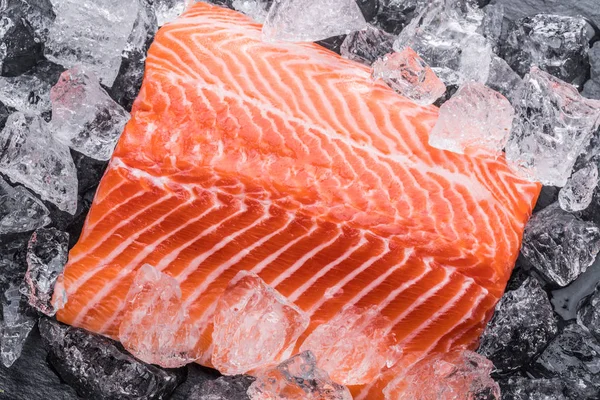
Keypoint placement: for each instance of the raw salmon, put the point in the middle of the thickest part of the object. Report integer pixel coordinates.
(287, 160)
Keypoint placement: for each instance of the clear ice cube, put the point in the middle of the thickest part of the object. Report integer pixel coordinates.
(84, 116)
(445, 34)
(574, 357)
(91, 33)
(155, 326)
(25, 93)
(455, 375)
(298, 378)
(224, 387)
(354, 345)
(409, 75)
(367, 45)
(310, 21)
(254, 325)
(168, 10)
(560, 245)
(98, 369)
(47, 255)
(30, 155)
(16, 326)
(20, 211)
(588, 315)
(553, 125)
(522, 325)
(476, 118)
(556, 44)
(255, 9)
(577, 194)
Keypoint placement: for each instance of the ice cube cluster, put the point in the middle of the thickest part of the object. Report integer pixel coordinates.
(69, 73)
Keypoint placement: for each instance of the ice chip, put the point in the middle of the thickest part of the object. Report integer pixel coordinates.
(15, 326)
(255, 9)
(254, 325)
(553, 125)
(25, 93)
(84, 116)
(367, 45)
(491, 26)
(522, 325)
(91, 33)
(47, 254)
(354, 345)
(167, 10)
(20, 211)
(129, 80)
(155, 326)
(224, 387)
(455, 375)
(309, 21)
(574, 355)
(475, 118)
(409, 75)
(588, 315)
(298, 378)
(30, 155)
(556, 44)
(577, 194)
(519, 388)
(98, 369)
(560, 245)
(592, 87)
(502, 78)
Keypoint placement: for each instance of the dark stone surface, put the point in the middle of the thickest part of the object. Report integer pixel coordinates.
(98, 369)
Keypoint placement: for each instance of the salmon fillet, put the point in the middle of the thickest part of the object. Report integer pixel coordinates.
(287, 160)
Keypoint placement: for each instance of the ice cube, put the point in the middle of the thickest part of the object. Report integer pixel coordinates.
(254, 325)
(553, 125)
(560, 245)
(445, 35)
(31, 156)
(393, 15)
(97, 369)
(47, 254)
(491, 26)
(566, 301)
(20, 211)
(16, 326)
(167, 10)
(556, 44)
(367, 45)
(225, 387)
(129, 80)
(577, 194)
(522, 325)
(574, 355)
(30, 91)
(409, 75)
(91, 33)
(502, 78)
(354, 345)
(20, 42)
(592, 87)
(155, 326)
(297, 379)
(476, 118)
(456, 375)
(519, 388)
(84, 116)
(255, 9)
(588, 315)
(309, 21)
